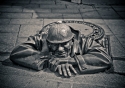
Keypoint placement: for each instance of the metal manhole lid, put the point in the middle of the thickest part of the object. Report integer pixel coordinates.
(86, 28)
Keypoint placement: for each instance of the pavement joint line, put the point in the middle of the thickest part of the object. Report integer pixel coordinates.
(80, 13)
(115, 36)
(116, 11)
(17, 35)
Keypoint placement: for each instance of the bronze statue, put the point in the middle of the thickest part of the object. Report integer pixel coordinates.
(61, 49)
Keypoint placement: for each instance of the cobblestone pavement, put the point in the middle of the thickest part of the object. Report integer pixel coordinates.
(22, 18)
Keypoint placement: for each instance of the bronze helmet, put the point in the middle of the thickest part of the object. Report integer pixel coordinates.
(59, 33)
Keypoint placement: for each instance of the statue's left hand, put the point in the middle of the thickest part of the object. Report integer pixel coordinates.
(63, 65)
(65, 70)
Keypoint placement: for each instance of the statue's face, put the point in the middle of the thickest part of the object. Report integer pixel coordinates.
(61, 49)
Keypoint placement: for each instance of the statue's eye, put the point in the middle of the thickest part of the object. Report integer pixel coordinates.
(66, 44)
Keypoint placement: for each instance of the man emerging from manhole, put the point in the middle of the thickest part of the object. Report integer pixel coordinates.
(62, 50)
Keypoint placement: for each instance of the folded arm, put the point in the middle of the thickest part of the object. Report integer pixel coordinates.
(29, 53)
(94, 58)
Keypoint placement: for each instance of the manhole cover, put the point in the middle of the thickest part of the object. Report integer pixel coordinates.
(86, 28)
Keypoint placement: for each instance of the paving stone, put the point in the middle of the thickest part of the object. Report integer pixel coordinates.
(119, 66)
(114, 21)
(6, 9)
(119, 8)
(6, 48)
(8, 38)
(48, 2)
(64, 3)
(102, 2)
(28, 30)
(9, 28)
(17, 1)
(87, 86)
(16, 15)
(21, 40)
(53, 6)
(24, 5)
(47, 21)
(37, 10)
(121, 38)
(122, 14)
(107, 13)
(64, 85)
(95, 21)
(90, 14)
(72, 16)
(13, 81)
(102, 5)
(49, 16)
(71, 11)
(4, 21)
(81, 6)
(5, 5)
(117, 29)
(26, 21)
(117, 49)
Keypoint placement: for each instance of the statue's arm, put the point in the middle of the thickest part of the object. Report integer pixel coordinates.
(94, 58)
(28, 54)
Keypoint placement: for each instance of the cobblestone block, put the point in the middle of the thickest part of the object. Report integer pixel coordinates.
(117, 49)
(107, 13)
(37, 83)
(13, 81)
(117, 29)
(21, 40)
(17, 1)
(71, 11)
(87, 86)
(37, 10)
(114, 22)
(102, 5)
(49, 16)
(28, 30)
(64, 85)
(9, 28)
(5, 5)
(119, 8)
(8, 38)
(53, 6)
(72, 16)
(26, 21)
(80, 6)
(58, 2)
(121, 38)
(119, 66)
(4, 21)
(6, 9)
(47, 21)
(6, 47)
(48, 2)
(16, 15)
(24, 5)
(122, 14)
(90, 14)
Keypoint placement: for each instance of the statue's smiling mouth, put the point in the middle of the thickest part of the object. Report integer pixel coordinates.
(61, 54)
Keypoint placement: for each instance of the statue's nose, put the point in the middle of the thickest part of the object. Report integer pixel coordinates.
(61, 48)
